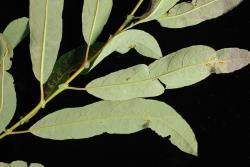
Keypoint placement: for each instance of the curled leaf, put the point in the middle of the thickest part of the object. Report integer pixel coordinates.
(126, 84)
(118, 117)
(191, 13)
(157, 9)
(140, 40)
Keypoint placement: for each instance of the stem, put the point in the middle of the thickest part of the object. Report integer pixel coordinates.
(65, 86)
(130, 17)
(87, 54)
(22, 121)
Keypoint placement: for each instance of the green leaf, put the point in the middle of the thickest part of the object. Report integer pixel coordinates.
(63, 68)
(36, 165)
(140, 40)
(7, 88)
(188, 14)
(94, 17)
(118, 117)
(16, 31)
(67, 64)
(126, 84)
(45, 35)
(184, 67)
(19, 164)
(231, 59)
(157, 9)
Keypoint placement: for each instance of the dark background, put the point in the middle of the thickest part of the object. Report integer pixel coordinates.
(217, 108)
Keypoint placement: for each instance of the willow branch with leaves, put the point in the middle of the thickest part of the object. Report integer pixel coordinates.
(118, 90)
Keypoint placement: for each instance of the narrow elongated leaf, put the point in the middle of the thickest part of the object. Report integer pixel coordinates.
(7, 89)
(140, 40)
(126, 84)
(118, 117)
(184, 67)
(157, 9)
(16, 31)
(45, 35)
(66, 65)
(231, 59)
(188, 14)
(19, 164)
(94, 17)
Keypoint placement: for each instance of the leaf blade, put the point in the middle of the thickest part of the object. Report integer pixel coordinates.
(67, 64)
(19, 163)
(16, 31)
(7, 88)
(157, 9)
(231, 59)
(188, 14)
(141, 41)
(45, 35)
(184, 67)
(112, 117)
(94, 17)
(126, 84)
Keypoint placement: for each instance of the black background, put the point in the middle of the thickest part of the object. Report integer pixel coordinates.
(217, 108)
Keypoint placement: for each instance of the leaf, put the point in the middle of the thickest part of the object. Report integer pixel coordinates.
(7, 88)
(16, 31)
(188, 14)
(126, 84)
(94, 17)
(118, 117)
(36, 165)
(157, 9)
(140, 40)
(184, 67)
(45, 35)
(67, 64)
(231, 59)
(19, 164)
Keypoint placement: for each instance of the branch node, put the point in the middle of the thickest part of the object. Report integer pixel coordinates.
(63, 86)
(43, 104)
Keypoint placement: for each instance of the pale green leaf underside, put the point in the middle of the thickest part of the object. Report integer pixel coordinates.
(126, 84)
(184, 67)
(188, 14)
(141, 41)
(7, 89)
(19, 164)
(94, 17)
(118, 117)
(231, 59)
(193, 64)
(16, 31)
(45, 35)
(157, 9)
